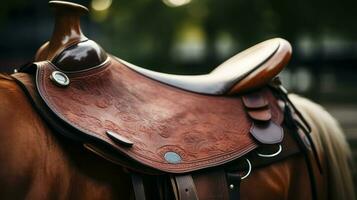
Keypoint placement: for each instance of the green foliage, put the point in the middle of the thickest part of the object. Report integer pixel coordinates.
(147, 30)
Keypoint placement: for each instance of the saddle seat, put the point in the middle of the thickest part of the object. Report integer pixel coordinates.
(247, 70)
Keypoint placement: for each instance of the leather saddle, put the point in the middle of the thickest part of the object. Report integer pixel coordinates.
(155, 123)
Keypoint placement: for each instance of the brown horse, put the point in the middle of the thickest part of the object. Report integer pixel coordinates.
(38, 164)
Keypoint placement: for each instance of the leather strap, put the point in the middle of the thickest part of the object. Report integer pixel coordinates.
(138, 186)
(263, 129)
(184, 188)
(301, 133)
(233, 180)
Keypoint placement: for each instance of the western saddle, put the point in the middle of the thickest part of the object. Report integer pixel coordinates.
(180, 133)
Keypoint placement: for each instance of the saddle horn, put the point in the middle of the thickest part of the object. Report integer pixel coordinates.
(68, 39)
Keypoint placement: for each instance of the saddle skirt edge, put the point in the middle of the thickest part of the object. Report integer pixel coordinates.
(50, 94)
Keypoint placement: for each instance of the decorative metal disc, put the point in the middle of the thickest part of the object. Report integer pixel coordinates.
(59, 78)
(172, 157)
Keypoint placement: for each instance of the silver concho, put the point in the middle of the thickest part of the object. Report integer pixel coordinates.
(59, 78)
(172, 157)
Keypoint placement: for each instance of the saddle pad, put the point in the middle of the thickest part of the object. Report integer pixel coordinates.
(160, 126)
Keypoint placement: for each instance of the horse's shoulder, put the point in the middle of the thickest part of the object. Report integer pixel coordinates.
(8, 85)
(6, 77)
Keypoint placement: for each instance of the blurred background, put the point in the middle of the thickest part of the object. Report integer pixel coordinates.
(194, 36)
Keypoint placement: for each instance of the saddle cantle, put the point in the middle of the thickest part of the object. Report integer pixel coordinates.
(252, 68)
(155, 123)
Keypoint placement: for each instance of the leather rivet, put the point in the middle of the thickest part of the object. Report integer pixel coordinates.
(59, 78)
(172, 157)
(231, 186)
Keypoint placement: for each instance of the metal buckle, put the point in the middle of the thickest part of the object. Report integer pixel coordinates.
(249, 170)
(271, 155)
(59, 78)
